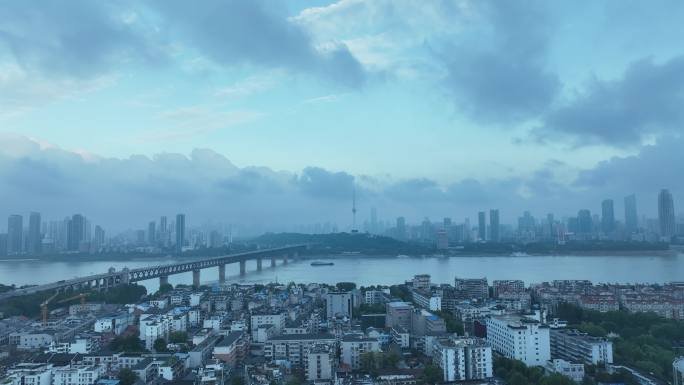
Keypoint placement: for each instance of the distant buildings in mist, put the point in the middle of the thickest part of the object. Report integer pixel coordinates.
(584, 226)
(33, 235)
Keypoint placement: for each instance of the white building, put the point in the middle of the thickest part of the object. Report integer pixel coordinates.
(520, 338)
(678, 371)
(77, 374)
(320, 363)
(30, 341)
(401, 337)
(427, 300)
(574, 371)
(115, 323)
(277, 320)
(153, 327)
(29, 374)
(581, 348)
(354, 346)
(463, 359)
(421, 281)
(295, 347)
(374, 297)
(339, 304)
(82, 345)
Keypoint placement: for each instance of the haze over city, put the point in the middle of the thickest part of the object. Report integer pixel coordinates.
(132, 110)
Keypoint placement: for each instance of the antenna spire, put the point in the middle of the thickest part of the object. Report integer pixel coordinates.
(354, 230)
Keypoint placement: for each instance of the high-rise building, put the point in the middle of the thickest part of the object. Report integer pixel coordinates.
(151, 233)
(374, 221)
(584, 222)
(15, 234)
(75, 232)
(401, 228)
(180, 232)
(494, 226)
(98, 239)
(162, 224)
(607, 216)
(631, 218)
(481, 226)
(34, 235)
(666, 214)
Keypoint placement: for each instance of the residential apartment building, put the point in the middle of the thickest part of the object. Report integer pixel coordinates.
(581, 348)
(354, 346)
(295, 347)
(278, 320)
(398, 314)
(519, 338)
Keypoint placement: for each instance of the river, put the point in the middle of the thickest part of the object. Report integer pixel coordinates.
(381, 270)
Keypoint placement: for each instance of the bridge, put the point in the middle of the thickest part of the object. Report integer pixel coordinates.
(124, 276)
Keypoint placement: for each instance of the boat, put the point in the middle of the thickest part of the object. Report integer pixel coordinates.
(319, 263)
(519, 254)
(402, 256)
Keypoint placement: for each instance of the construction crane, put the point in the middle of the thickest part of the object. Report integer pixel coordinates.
(44, 308)
(81, 296)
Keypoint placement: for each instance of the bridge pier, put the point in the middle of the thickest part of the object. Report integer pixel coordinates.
(273, 262)
(222, 273)
(243, 267)
(163, 280)
(196, 278)
(259, 264)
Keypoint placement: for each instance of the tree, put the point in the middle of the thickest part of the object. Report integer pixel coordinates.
(160, 345)
(432, 374)
(127, 376)
(346, 286)
(165, 288)
(178, 337)
(131, 344)
(237, 381)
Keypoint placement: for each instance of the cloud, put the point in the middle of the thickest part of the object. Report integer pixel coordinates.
(256, 33)
(646, 102)
(123, 193)
(320, 183)
(73, 38)
(497, 73)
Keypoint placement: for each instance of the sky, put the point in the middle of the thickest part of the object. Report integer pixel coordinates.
(265, 112)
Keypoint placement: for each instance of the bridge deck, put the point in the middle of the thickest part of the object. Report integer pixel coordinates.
(145, 273)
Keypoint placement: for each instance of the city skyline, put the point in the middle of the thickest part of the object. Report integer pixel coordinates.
(75, 233)
(418, 105)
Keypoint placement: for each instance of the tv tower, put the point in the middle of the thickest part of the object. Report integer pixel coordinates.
(354, 230)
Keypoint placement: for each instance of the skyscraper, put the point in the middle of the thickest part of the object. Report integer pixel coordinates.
(607, 216)
(584, 222)
(401, 228)
(98, 239)
(631, 218)
(481, 226)
(162, 224)
(374, 221)
(494, 225)
(34, 235)
(180, 232)
(15, 234)
(666, 214)
(75, 232)
(151, 233)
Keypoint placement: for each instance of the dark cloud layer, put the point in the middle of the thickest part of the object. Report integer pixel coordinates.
(124, 193)
(647, 100)
(72, 37)
(499, 75)
(84, 38)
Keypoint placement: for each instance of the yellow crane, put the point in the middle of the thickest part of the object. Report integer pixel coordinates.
(81, 296)
(44, 308)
